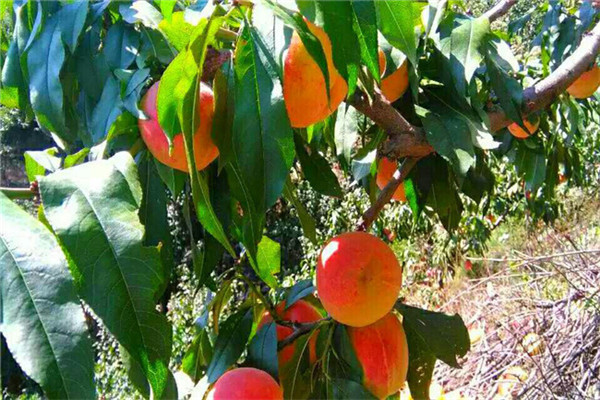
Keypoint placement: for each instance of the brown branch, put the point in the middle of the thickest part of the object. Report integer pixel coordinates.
(548, 89)
(499, 9)
(386, 194)
(300, 328)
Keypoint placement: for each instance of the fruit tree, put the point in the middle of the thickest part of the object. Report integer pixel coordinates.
(228, 105)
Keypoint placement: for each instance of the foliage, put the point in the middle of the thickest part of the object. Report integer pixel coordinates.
(81, 68)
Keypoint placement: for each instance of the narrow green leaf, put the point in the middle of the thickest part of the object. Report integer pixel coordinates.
(507, 88)
(230, 343)
(346, 389)
(262, 137)
(177, 30)
(346, 131)
(262, 351)
(396, 23)
(364, 24)
(77, 158)
(42, 319)
(308, 223)
(44, 62)
(337, 20)
(108, 109)
(317, 170)
(198, 356)
(71, 22)
(115, 274)
(300, 290)
(141, 11)
(174, 179)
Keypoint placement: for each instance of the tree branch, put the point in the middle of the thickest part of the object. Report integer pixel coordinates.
(386, 194)
(548, 89)
(301, 328)
(499, 9)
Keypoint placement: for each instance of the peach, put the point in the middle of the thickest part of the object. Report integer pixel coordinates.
(586, 85)
(395, 84)
(205, 151)
(304, 89)
(385, 171)
(358, 278)
(520, 133)
(300, 311)
(246, 384)
(382, 351)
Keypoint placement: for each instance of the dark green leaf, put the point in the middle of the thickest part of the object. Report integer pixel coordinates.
(364, 23)
(116, 275)
(230, 343)
(531, 164)
(91, 65)
(350, 390)
(346, 130)
(466, 51)
(44, 63)
(153, 215)
(121, 45)
(396, 23)
(42, 319)
(300, 290)
(450, 137)
(262, 137)
(507, 88)
(337, 19)
(479, 180)
(295, 376)
(317, 171)
(198, 356)
(71, 22)
(262, 352)
(107, 110)
(347, 365)
(174, 179)
(308, 223)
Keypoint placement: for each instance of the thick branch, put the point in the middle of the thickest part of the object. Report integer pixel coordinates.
(386, 194)
(499, 9)
(547, 90)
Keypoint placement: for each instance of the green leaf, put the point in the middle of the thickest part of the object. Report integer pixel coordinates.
(346, 130)
(336, 19)
(42, 319)
(174, 179)
(177, 30)
(262, 351)
(300, 290)
(121, 45)
(153, 215)
(317, 170)
(115, 274)
(44, 62)
(350, 390)
(37, 163)
(364, 24)
(207, 259)
(166, 8)
(466, 50)
(108, 109)
(77, 158)
(396, 22)
(230, 343)
(91, 64)
(431, 335)
(189, 121)
(480, 179)
(295, 375)
(450, 137)
(507, 89)
(347, 365)
(262, 137)
(308, 223)
(310, 41)
(268, 261)
(71, 22)
(198, 356)
(531, 164)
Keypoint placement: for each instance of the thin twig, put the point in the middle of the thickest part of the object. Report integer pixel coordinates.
(386, 194)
